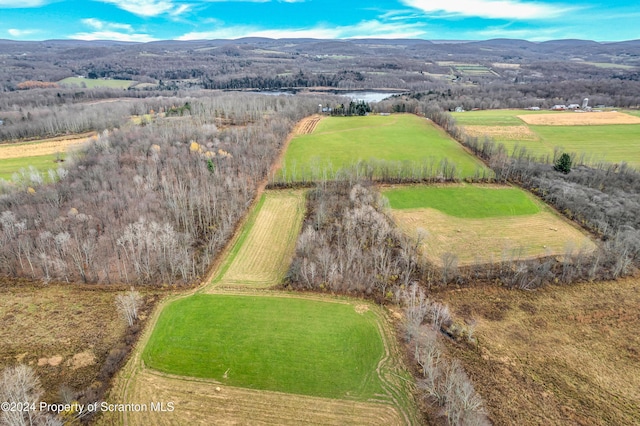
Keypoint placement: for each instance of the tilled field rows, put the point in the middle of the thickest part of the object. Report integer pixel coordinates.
(308, 125)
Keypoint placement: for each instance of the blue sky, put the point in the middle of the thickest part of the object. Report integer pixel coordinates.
(148, 20)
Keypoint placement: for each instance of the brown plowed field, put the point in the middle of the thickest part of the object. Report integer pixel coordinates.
(489, 239)
(579, 119)
(308, 125)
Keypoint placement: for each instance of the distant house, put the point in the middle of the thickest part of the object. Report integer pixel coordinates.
(573, 106)
(459, 109)
(559, 108)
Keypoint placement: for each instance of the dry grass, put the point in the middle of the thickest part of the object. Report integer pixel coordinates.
(516, 133)
(64, 332)
(489, 239)
(556, 356)
(579, 119)
(43, 147)
(265, 253)
(208, 402)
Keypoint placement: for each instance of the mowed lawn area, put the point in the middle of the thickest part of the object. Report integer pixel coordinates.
(338, 142)
(281, 344)
(482, 223)
(610, 142)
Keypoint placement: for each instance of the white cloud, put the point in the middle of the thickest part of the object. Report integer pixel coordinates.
(104, 30)
(22, 3)
(97, 24)
(14, 32)
(364, 29)
(148, 7)
(113, 35)
(492, 9)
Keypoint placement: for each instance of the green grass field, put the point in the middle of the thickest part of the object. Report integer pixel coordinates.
(467, 201)
(614, 143)
(13, 165)
(341, 141)
(273, 343)
(611, 143)
(90, 83)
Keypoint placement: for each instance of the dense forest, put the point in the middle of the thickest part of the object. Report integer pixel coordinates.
(149, 204)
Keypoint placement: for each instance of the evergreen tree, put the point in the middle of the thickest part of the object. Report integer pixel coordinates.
(563, 163)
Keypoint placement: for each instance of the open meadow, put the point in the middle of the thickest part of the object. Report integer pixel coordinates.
(599, 136)
(557, 355)
(338, 142)
(482, 223)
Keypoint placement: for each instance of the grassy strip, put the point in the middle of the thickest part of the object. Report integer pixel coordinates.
(282, 344)
(13, 165)
(265, 255)
(464, 201)
(246, 229)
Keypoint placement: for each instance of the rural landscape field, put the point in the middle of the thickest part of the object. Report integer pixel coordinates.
(598, 136)
(292, 213)
(483, 224)
(338, 143)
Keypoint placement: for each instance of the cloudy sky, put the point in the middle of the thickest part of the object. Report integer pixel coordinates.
(148, 20)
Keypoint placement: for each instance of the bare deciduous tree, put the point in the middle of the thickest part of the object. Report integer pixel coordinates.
(20, 385)
(128, 305)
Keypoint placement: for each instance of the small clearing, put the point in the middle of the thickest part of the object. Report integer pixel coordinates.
(263, 251)
(560, 355)
(579, 119)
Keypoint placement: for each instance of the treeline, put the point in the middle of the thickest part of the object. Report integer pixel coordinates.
(427, 170)
(349, 245)
(43, 122)
(149, 204)
(300, 79)
(543, 93)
